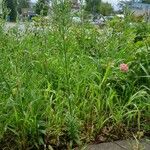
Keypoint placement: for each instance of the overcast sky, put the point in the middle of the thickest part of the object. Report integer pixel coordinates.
(113, 2)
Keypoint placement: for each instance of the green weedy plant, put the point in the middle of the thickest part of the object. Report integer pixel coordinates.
(61, 84)
(61, 22)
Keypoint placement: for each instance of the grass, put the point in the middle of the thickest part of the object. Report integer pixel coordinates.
(61, 86)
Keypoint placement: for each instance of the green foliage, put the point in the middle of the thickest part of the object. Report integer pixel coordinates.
(93, 6)
(12, 7)
(42, 7)
(106, 9)
(22, 4)
(1, 8)
(61, 85)
(97, 7)
(146, 1)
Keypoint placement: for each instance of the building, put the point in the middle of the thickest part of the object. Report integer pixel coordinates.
(141, 8)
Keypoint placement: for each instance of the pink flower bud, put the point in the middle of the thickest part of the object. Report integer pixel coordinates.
(124, 67)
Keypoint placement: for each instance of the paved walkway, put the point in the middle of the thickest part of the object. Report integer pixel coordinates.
(122, 145)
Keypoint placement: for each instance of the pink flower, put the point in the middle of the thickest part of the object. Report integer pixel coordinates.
(124, 67)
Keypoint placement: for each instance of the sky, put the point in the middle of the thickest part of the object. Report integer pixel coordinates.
(113, 2)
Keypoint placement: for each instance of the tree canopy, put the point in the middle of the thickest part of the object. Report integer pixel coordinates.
(106, 9)
(41, 7)
(12, 7)
(98, 7)
(22, 4)
(146, 1)
(93, 6)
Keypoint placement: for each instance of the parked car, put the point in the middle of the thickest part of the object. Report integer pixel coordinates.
(31, 15)
(100, 21)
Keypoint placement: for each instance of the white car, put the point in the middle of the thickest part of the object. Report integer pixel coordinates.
(76, 19)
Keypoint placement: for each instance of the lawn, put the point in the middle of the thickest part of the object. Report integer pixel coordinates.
(64, 84)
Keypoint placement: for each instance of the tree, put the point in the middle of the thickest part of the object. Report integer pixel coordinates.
(146, 1)
(106, 9)
(12, 7)
(22, 4)
(93, 6)
(42, 7)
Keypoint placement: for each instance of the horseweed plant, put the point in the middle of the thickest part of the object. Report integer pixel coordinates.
(64, 84)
